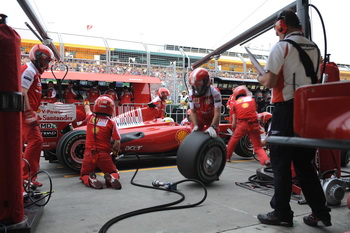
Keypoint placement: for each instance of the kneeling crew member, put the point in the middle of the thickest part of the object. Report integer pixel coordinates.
(99, 132)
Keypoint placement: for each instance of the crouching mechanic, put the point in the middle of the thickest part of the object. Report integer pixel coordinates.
(99, 132)
(40, 58)
(245, 121)
(205, 102)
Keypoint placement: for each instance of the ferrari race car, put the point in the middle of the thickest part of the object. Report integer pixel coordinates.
(142, 133)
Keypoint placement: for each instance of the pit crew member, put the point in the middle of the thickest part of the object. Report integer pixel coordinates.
(69, 94)
(51, 93)
(112, 93)
(93, 93)
(40, 57)
(126, 96)
(100, 131)
(245, 122)
(205, 102)
(160, 101)
(285, 73)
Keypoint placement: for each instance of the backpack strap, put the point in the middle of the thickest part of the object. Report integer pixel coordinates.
(306, 60)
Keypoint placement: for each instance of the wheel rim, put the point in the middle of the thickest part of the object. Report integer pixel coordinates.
(212, 161)
(247, 145)
(77, 151)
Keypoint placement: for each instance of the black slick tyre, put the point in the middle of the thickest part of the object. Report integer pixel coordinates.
(70, 149)
(201, 157)
(244, 147)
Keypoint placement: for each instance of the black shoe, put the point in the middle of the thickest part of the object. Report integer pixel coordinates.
(312, 220)
(272, 219)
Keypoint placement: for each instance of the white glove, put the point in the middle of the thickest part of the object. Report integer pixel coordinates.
(211, 131)
(195, 128)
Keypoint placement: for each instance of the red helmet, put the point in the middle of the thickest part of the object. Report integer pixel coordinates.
(200, 81)
(163, 93)
(104, 105)
(240, 91)
(41, 56)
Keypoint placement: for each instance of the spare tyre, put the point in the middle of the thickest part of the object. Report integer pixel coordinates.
(201, 157)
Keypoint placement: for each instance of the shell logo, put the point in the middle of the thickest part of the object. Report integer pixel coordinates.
(180, 135)
(245, 105)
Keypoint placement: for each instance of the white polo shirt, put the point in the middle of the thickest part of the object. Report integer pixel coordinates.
(285, 62)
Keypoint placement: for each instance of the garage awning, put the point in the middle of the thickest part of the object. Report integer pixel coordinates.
(101, 77)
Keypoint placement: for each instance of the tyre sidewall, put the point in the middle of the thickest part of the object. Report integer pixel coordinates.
(67, 145)
(202, 175)
(244, 147)
(191, 153)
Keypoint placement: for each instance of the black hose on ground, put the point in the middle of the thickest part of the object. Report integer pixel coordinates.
(167, 206)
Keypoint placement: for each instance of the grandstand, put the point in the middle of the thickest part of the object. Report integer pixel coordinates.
(167, 62)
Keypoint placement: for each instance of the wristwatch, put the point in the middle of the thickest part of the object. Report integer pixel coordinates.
(214, 126)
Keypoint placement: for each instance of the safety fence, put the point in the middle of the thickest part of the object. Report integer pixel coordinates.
(85, 53)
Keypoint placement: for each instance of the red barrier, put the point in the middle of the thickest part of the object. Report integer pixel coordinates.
(11, 197)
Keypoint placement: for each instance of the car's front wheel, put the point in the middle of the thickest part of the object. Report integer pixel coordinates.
(70, 149)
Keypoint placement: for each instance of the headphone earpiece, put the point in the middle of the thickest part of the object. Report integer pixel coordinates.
(281, 26)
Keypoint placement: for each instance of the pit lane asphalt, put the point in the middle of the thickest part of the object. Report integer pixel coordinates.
(228, 207)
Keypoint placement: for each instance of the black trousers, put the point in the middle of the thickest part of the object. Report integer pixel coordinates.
(281, 160)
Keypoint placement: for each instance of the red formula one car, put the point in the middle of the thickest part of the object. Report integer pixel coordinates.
(141, 133)
(200, 157)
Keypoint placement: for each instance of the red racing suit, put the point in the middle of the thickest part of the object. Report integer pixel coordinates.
(69, 95)
(99, 132)
(126, 97)
(228, 105)
(112, 93)
(92, 94)
(205, 106)
(160, 104)
(31, 133)
(51, 95)
(246, 123)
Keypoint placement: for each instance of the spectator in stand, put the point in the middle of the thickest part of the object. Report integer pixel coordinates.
(160, 101)
(126, 97)
(40, 57)
(51, 93)
(69, 94)
(111, 92)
